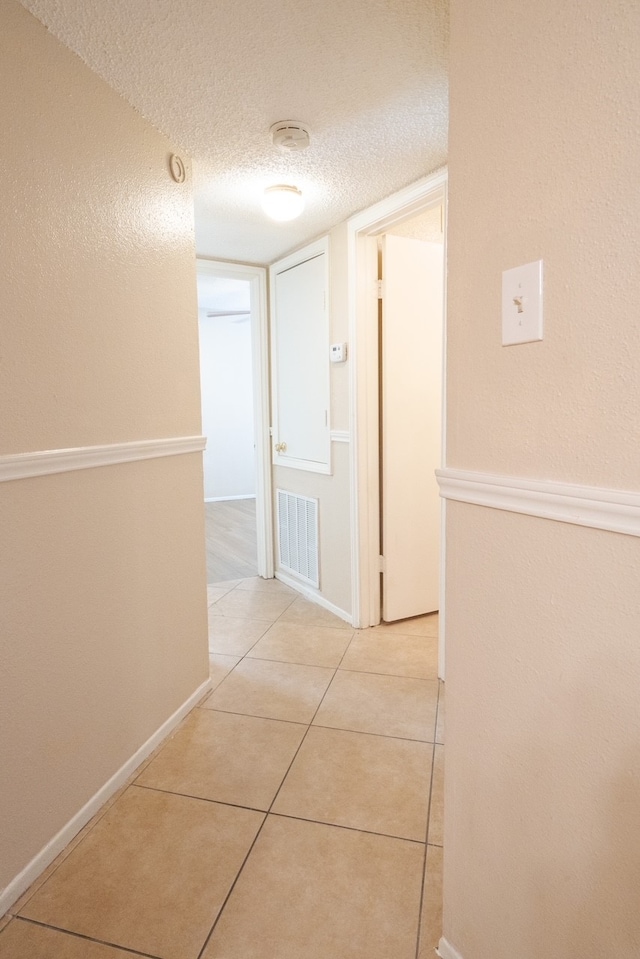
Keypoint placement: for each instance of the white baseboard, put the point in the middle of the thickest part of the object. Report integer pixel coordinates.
(55, 846)
(446, 951)
(310, 593)
(228, 499)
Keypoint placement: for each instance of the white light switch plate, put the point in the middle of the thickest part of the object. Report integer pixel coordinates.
(522, 304)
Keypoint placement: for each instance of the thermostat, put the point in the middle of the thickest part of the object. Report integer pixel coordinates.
(338, 352)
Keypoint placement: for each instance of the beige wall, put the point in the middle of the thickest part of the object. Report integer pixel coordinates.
(331, 491)
(102, 609)
(544, 160)
(543, 659)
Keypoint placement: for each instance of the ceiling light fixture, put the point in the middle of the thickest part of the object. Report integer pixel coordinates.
(282, 202)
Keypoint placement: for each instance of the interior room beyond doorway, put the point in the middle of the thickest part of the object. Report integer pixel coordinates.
(224, 315)
(230, 540)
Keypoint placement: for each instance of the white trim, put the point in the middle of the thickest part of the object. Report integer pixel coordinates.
(309, 466)
(228, 499)
(446, 951)
(442, 613)
(301, 255)
(48, 853)
(320, 247)
(617, 511)
(257, 277)
(340, 436)
(15, 466)
(313, 595)
(442, 621)
(363, 389)
(408, 202)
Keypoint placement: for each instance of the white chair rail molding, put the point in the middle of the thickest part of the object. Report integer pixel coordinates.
(617, 511)
(15, 466)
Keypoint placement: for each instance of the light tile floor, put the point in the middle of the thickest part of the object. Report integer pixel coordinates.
(296, 813)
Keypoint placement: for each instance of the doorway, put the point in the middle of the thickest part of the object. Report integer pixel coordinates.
(234, 378)
(410, 257)
(405, 211)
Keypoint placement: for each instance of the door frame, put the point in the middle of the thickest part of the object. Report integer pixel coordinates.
(362, 231)
(257, 277)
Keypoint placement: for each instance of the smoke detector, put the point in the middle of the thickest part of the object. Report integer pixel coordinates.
(289, 135)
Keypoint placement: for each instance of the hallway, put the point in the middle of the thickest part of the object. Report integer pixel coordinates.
(295, 814)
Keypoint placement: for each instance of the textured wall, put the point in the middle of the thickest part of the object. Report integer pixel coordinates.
(543, 667)
(102, 609)
(96, 225)
(545, 111)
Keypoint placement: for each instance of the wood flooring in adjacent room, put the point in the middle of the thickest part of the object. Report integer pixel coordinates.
(230, 531)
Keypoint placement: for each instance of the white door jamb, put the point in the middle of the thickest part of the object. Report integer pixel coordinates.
(257, 277)
(363, 413)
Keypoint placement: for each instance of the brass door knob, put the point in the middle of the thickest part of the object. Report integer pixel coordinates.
(281, 447)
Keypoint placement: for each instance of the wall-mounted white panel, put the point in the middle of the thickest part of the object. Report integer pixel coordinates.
(300, 361)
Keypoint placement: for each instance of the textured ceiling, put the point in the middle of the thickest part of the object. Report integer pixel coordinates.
(426, 226)
(369, 78)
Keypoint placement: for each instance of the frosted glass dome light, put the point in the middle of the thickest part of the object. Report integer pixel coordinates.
(282, 202)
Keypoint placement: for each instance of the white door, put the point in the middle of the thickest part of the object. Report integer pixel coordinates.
(411, 424)
(300, 362)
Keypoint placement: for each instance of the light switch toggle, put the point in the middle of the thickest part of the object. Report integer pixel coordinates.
(522, 304)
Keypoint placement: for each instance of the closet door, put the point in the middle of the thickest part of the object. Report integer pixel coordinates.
(300, 361)
(411, 425)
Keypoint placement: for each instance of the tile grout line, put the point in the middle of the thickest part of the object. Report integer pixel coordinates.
(266, 816)
(338, 825)
(426, 838)
(207, 799)
(232, 887)
(345, 669)
(281, 815)
(232, 712)
(424, 864)
(340, 729)
(70, 848)
(373, 672)
(310, 724)
(267, 627)
(80, 935)
(365, 732)
(270, 810)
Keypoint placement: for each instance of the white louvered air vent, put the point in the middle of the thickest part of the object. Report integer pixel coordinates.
(298, 536)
